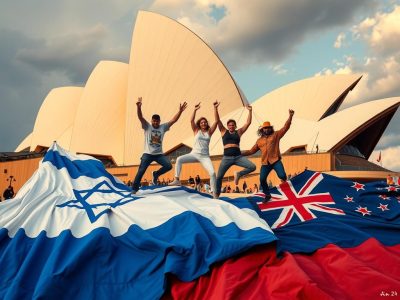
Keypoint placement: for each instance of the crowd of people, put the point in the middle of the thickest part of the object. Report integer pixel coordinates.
(267, 143)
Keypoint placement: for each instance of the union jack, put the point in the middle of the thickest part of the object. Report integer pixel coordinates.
(301, 203)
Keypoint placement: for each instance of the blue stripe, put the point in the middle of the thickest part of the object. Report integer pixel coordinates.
(90, 168)
(132, 266)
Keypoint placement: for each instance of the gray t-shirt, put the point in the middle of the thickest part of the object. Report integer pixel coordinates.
(153, 138)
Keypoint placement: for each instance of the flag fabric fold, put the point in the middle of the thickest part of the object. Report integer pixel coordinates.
(337, 239)
(75, 231)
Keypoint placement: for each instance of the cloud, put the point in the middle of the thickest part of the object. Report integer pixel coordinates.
(280, 26)
(47, 44)
(339, 40)
(390, 158)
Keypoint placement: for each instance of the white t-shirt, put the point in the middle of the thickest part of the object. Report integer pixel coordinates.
(153, 138)
(201, 143)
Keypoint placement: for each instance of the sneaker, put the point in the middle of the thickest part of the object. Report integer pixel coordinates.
(133, 192)
(176, 182)
(236, 177)
(215, 196)
(155, 178)
(267, 197)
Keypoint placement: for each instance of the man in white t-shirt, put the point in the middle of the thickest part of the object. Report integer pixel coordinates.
(153, 137)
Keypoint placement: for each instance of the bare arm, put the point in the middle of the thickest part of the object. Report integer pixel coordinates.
(182, 107)
(245, 126)
(253, 150)
(139, 112)
(214, 125)
(192, 123)
(286, 127)
(217, 119)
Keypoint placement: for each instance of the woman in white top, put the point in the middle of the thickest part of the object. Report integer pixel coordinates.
(200, 152)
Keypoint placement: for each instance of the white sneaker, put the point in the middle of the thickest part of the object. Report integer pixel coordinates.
(176, 182)
(236, 177)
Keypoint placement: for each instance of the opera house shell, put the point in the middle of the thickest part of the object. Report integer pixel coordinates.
(170, 64)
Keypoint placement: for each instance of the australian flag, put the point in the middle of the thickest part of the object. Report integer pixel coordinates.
(75, 232)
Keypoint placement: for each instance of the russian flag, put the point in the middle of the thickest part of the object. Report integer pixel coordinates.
(75, 232)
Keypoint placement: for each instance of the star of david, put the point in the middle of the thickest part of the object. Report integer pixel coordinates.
(99, 200)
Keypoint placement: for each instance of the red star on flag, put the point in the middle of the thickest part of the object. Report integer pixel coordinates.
(363, 210)
(358, 186)
(348, 199)
(392, 188)
(384, 197)
(383, 206)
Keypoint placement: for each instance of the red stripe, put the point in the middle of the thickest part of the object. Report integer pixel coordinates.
(308, 183)
(369, 271)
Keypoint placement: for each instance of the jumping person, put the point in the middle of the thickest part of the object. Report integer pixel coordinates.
(200, 152)
(232, 155)
(153, 137)
(268, 143)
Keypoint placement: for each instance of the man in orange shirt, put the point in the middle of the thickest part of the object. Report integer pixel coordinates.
(268, 143)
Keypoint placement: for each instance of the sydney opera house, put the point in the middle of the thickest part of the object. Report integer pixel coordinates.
(170, 64)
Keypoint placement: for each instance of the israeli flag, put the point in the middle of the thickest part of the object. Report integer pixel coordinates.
(75, 232)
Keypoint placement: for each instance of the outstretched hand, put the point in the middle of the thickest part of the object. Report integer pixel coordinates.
(291, 112)
(197, 106)
(249, 107)
(182, 106)
(216, 104)
(139, 102)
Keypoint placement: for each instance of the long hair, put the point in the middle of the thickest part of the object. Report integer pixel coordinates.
(198, 123)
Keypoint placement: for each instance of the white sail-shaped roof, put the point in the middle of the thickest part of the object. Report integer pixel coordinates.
(99, 123)
(170, 64)
(55, 117)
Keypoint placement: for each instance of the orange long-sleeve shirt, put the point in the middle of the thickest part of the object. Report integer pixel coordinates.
(269, 145)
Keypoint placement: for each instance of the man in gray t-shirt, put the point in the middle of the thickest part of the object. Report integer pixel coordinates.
(153, 137)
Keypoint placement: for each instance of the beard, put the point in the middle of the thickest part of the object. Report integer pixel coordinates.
(269, 131)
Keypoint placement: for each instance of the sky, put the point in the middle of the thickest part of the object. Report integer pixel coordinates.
(265, 44)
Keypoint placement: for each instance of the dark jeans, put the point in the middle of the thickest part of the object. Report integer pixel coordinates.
(229, 161)
(145, 161)
(266, 169)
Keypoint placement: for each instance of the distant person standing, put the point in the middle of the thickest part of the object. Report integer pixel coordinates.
(197, 181)
(8, 193)
(268, 143)
(244, 186)
(153, 138)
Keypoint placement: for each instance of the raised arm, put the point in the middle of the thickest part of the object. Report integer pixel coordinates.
(245, 126)
(192, 123)
(217, 119)
(253, 150)
(182, 107)
(139, 112)
(286, 127)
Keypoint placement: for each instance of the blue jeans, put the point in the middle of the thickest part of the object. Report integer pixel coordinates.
(145, 161)
(266, 169)
(229, 161)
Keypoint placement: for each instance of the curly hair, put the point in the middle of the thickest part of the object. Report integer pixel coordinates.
(201, 119)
